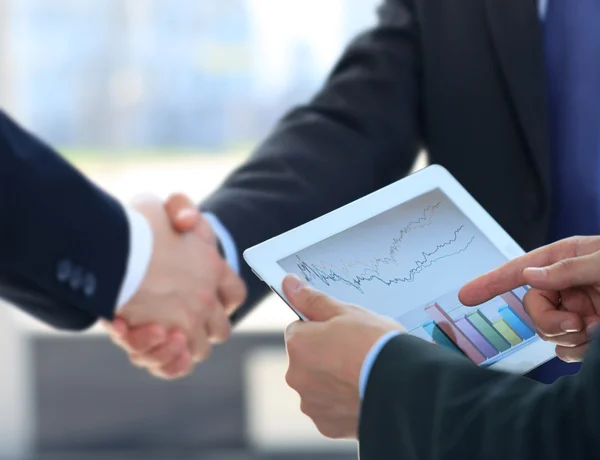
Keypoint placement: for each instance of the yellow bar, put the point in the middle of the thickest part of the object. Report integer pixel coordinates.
(507, 332)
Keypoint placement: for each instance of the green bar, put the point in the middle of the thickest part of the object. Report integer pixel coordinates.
(507, 332)
(488, 331)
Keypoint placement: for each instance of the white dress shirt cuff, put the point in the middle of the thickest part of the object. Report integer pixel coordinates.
(226, 240)
(370, 359)
(141, 241)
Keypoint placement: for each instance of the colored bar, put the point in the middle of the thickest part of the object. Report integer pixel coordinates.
(515, 322)
(517, 306)
(440, 338)
(507, 332)
(484, 326)
(445, 323)
(476, 337)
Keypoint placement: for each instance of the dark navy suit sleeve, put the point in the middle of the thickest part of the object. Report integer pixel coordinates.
(63, 241)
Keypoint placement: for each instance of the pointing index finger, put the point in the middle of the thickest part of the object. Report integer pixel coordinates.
(510, 275)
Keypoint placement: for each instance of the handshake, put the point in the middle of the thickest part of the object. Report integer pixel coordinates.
(183, 303)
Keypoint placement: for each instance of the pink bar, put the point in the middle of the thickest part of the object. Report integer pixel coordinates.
(446, 324)
(515, 303)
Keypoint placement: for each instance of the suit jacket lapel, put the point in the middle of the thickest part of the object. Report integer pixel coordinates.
(516, 31)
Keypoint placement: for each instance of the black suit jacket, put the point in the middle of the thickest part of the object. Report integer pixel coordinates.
(463, 79)
(63, 241)
(423, 402)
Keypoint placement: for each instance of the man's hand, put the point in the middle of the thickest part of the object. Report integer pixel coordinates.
(183, 304)
(326, 356)
(564, 302)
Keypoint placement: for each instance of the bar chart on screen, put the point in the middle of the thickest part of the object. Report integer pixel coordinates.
(485, 334)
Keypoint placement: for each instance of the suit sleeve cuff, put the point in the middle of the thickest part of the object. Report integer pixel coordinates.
(370, 359)
(226, 240)
(141, 241)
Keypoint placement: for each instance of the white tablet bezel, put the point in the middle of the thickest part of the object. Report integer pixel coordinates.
(263, 258)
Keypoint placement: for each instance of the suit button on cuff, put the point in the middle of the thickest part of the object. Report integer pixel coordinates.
(76, 279)
(63, 271)
(89, 285)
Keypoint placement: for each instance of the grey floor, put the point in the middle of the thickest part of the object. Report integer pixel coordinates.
(92, 404)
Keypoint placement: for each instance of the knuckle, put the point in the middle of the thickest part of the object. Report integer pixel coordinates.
(579, 243)
(241, 292)
(584, 245)
(565, 265)
(327, 430)
(305, 408)
(140, 345)
(572, 239)
(206, 298)
(121, 343)
(183, 372)
(528, 301)
(176, 197)
(203, 353)
(289, 333)
(528, 310)
(221, 334)
(215, 261)
(566, 269)
(164, 359)
(293, 344)
(560, 272)
(225, 333)
(168, 355)
(576, 241)
(290, 378)
(294, 380)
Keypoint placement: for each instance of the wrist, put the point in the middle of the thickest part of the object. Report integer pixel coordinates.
(228, 248)
(371, 358)
(141, 249)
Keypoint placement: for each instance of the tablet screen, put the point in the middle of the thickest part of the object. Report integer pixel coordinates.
(409, 263)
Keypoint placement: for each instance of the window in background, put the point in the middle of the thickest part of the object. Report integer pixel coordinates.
(182, 74)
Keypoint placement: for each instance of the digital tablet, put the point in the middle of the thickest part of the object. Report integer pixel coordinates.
(405, 251)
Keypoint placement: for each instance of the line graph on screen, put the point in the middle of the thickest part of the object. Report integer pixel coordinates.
(392, 267)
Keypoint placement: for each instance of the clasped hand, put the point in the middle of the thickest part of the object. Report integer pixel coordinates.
(184, 301)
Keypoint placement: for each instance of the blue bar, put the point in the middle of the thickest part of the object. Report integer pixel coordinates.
(516, 323)
(440, 338)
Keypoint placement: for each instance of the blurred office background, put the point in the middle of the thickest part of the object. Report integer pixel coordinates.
(160, 96)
